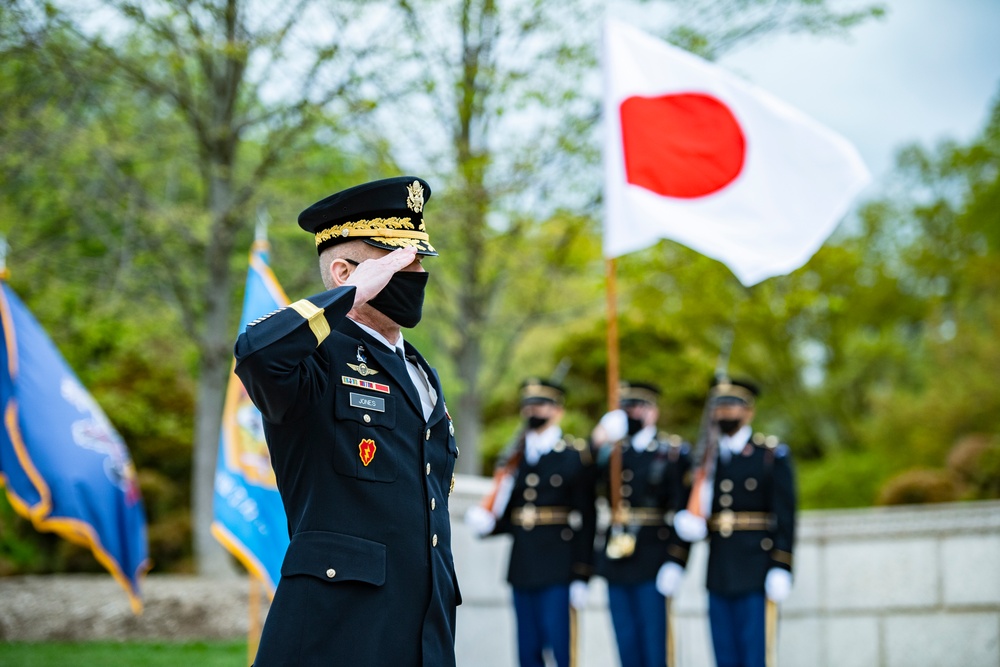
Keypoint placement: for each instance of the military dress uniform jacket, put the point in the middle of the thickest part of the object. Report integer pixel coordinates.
(368, 578)
(655, 484)
(752, 525)
(552, 517)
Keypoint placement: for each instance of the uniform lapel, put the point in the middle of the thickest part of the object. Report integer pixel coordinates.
(438, 412)
(385, 359)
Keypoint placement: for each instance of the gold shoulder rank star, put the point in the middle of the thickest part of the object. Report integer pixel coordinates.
(362, 369)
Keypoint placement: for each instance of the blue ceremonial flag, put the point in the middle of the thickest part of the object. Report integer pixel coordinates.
(249, 517)
(63, 465)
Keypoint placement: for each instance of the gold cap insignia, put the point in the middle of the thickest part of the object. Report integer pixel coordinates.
(415, 197)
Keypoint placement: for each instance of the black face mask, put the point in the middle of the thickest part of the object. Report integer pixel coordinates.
(634, 426)
(728, 426)
(535, 423)
(402, 299)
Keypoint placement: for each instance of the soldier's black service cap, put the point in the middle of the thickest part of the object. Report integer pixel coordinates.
(726, 391)
(634, 393)
(535, 391)
(387, 214)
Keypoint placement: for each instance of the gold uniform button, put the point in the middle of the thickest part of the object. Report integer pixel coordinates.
(726, 485)
(367, 418)
(766, 544)
(427, 435)
(532, 479)
(433, 503)
(725, 500)
(331, 573)
(434, 541)
(751, 484)
(428, 468)
(451, 429)
(627, 475)
(555, 480)
(530, 495)
(626, 490)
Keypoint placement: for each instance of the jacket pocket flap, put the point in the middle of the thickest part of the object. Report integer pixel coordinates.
(335, 557)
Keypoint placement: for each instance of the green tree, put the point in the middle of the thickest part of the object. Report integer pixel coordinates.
(227, 94)
(519, 149)
(899, 329)
(72, 264)
(944, 219)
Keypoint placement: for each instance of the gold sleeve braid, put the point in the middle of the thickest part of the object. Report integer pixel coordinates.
(317, 321)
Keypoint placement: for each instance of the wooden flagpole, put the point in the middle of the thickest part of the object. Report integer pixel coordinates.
(611, 292)
(253, 628)
(771, 634)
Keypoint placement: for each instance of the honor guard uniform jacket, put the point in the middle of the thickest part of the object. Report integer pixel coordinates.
(552, 517)
(654, 484)
(752, 524)
(369, 577)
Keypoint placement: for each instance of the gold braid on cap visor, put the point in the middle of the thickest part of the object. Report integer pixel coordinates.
(733, 391)
(637, 394)
(541, 391)
(391, 231)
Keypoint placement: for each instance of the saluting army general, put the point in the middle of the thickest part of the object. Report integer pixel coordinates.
(749, 499)
(362, 445)
(544, 498)
(646, 475)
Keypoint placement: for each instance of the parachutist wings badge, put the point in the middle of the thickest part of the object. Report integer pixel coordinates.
(362, 369)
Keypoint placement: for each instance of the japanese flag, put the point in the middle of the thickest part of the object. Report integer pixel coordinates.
(699, 156)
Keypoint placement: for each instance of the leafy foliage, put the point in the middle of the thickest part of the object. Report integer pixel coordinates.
(877, 357)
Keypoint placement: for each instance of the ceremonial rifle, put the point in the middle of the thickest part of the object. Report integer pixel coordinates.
(708, 433)
(516, 447)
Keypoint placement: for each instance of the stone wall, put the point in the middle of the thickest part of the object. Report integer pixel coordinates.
(913, 587)
(890, 587)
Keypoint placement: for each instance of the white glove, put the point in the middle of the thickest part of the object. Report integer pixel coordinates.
(669, 578)
(480, 520)
(615, 425)
(579, 591)
(778, 584)
(690, 527)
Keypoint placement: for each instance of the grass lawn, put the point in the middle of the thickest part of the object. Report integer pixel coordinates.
(131, 654)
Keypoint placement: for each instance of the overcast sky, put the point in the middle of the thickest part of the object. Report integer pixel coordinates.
(929, 71)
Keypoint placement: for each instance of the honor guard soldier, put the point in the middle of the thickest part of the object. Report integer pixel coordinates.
(646, 474)
(543, 497)
(362, 445)
(746, 488)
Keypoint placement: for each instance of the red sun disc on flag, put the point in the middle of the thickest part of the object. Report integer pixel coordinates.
(685, 145)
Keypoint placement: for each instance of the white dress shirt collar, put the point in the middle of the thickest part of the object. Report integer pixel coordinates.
(380, 338)
(419, 378)
(735, 443)
(538, 444)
